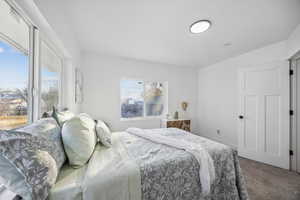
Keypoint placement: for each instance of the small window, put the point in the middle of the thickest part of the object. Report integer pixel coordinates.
(50, 69)
(141, 99)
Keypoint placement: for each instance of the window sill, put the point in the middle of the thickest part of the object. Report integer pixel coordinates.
(141, 118)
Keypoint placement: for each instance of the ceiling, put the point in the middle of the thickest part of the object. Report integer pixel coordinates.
(158, 30)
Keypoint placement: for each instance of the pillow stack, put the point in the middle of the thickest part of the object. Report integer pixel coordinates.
(79, 136)
(31, 157)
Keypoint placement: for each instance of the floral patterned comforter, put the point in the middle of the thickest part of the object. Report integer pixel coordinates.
(168, 173)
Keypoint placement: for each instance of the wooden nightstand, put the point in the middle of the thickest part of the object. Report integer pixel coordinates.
(184, 124)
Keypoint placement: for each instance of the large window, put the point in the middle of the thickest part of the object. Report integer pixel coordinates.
(141, 99)
(28, 67)
(14, 69)
(50, 67)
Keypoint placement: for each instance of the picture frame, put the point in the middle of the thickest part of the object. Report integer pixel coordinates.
(78, 86)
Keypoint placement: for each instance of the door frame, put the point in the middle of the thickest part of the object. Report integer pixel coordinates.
(294, 129)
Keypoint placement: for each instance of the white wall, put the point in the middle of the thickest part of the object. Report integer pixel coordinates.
(102, 77)
(218, 94)
(293, 42)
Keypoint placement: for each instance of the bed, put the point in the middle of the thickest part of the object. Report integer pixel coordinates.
(135, 168)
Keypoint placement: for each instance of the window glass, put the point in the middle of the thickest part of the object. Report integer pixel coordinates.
(50, 79)
(154, 98)
(142, 99)
(13, 87)
(132, 103)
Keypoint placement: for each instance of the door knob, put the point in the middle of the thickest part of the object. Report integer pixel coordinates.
(241, 116)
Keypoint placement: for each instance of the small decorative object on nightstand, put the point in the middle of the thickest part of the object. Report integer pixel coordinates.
(184, 124)
(176, 115)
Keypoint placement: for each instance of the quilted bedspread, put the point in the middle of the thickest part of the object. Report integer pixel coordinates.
(168, 173)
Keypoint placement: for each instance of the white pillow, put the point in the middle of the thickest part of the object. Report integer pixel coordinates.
(103, 133)
(79, 138)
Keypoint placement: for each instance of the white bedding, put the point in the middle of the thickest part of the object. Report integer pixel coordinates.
(68, 184)
(111, 174)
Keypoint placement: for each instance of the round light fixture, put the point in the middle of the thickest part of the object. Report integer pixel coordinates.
(200, 26)
(227, 44)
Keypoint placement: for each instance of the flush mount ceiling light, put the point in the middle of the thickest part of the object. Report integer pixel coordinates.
(200, 26)
(227, 44)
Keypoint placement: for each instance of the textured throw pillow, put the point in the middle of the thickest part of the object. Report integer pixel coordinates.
(49, 129)
(35, 158)
(103, 133)
(79, 139)
(62, 116)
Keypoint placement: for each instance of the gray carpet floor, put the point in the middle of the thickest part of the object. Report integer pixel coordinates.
(265, 182)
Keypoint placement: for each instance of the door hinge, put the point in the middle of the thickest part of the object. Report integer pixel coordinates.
(291, 152)
(291, 72)
(291, 112)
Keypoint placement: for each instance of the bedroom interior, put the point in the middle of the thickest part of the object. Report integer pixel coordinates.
(149, 100)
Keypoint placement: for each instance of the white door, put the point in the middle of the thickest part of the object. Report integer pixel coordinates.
(264, 114)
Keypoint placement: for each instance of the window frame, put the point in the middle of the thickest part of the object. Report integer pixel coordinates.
(145, 117)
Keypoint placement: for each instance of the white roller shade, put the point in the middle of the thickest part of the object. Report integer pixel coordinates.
(49, 59)
(13, 28)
